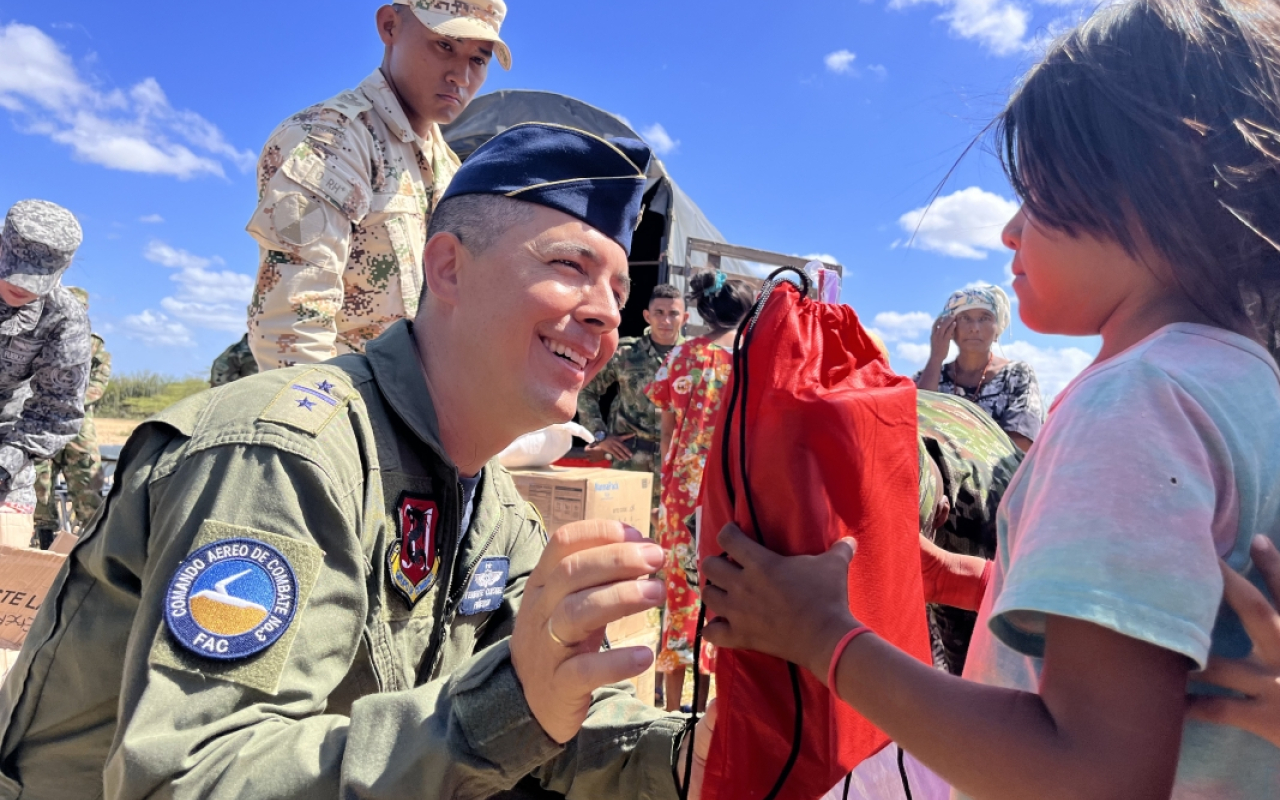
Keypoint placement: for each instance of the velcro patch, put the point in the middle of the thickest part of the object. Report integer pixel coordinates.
(309, 402)
(231, 606)
(484, 592)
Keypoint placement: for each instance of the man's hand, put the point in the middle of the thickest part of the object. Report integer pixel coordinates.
(589, 575)
(613, 445)
(792, 607)
(1258, 676)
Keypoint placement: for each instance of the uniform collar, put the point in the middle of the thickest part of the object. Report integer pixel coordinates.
(22, 319)
(387, 105)
(653, 346)
(393, 357)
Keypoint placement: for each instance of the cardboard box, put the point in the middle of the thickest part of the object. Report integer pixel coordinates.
(564, 495)
(25, 577)
(17, 530)
(63, 542)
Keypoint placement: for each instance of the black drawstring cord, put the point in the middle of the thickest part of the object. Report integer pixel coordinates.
(741, 383)
(902, 770)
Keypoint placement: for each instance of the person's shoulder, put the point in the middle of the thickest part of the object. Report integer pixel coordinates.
(339, 115)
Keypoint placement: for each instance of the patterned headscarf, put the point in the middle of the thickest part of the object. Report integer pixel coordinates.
(989, 298)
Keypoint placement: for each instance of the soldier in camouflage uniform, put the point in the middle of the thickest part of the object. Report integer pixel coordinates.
(966, 463)
(79, 462)
(236, 362)
(632, 435)
(347, 187)
(44, 346)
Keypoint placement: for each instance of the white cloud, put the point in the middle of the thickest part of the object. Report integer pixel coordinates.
(1001, 26)
(825, 258)
(879, 70)
(659, 139)
(205, 298)
(151, 219)
(133, 131)
(840, 62)
(913, 356)
(893, 326)
(154, 330)
(966, 224)
(1055, 366)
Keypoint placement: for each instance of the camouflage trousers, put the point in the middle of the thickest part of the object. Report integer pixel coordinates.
(651, 463)
(81, 465)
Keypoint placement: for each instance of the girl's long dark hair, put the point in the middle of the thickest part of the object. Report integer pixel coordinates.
(1156, 125)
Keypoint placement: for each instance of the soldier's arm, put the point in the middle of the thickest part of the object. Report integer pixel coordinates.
(99, 374)
(316, 188)
(589, 398)
(52, 415)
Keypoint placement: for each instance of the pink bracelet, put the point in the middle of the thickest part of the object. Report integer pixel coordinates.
(840, 648)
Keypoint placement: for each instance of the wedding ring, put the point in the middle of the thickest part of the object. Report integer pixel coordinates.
(551, 632)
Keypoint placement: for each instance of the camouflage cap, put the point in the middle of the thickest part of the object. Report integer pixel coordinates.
(80, 294)
(464, 19)
(37, 245)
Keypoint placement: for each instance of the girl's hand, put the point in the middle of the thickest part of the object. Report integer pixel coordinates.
(1258, 676)
(944, 331)
(792, 607)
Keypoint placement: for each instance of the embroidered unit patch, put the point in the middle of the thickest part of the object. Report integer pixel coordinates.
(484, 593)
(231, 599)
(412, 558)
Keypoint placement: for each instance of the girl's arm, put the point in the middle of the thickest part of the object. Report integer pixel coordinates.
(1107, 722)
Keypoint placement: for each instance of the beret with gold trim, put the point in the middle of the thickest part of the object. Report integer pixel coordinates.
(600, 181)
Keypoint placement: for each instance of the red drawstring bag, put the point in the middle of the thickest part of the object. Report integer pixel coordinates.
(830, 446)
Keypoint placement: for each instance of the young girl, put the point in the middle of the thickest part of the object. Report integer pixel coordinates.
(1145, 148)
(687, 390)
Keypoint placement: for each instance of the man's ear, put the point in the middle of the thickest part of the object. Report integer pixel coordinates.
(442, 262)
(648, 319)
(388, 24)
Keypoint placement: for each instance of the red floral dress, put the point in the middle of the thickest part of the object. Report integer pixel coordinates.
(691, 385)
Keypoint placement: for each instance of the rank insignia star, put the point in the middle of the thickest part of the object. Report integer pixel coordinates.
(306, 403)
(325, 386)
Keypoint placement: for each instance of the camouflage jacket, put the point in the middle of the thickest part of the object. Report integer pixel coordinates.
(632, 368)
(346, 190)
(44, 370)
(234, 363)
(977, 460)
(99, 373)
(364, 694)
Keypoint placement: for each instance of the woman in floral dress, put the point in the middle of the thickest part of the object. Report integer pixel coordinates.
(688, 391)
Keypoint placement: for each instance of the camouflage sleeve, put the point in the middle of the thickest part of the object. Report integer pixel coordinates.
(54, 412)
(314, 186)
(99, 374)
(589, 398)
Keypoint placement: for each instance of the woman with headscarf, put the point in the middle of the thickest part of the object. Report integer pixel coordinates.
(974, 318)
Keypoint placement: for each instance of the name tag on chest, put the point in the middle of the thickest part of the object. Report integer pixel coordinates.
(484, 593)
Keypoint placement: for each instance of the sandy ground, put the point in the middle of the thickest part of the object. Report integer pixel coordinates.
(115, 431)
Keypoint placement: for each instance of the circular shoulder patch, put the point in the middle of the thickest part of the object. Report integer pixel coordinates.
(231, 599)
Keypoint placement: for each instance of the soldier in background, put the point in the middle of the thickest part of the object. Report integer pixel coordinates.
(631, 436)
(79, 462)
(966, 463)
(347, 187)
(44, 351)
(236, 362)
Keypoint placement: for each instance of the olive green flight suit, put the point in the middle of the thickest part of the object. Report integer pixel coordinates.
(364, 696)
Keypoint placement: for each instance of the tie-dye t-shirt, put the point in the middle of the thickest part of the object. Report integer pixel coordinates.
(1152, 465)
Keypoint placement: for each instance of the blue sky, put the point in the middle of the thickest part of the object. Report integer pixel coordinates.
(815, 126)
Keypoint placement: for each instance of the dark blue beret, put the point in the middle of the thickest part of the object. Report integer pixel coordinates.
(599, 181)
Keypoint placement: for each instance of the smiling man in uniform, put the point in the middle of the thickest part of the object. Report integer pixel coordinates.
(305, 584)
(347, 187)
